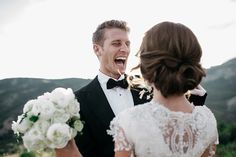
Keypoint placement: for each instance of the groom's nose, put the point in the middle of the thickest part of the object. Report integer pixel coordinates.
(125, 48)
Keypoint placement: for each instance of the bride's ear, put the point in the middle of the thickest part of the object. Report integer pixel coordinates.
(96, 50)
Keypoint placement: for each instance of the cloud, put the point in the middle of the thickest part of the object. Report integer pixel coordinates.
(10, 9)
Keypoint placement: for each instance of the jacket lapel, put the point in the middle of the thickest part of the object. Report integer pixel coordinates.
(99, 103)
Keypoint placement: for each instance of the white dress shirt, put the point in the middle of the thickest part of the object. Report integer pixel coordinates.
(118, 98)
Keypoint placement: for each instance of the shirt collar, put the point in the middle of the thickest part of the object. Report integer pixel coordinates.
(103, 78)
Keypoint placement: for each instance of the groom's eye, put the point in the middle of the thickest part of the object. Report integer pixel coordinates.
(116, 43)
(127, 44)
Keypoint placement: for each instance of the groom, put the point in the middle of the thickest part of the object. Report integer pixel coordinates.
(108, 93)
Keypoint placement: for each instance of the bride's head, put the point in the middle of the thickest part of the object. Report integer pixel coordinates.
(170, 58)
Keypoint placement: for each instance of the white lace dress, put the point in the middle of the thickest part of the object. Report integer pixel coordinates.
(152, 130)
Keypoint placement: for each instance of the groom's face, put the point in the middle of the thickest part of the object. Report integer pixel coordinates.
(113, 53)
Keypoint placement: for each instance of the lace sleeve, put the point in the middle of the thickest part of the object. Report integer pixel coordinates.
(215, 136)
(212, 150)
(118, 133)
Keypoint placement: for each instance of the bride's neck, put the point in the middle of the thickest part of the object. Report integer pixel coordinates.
(174, 102)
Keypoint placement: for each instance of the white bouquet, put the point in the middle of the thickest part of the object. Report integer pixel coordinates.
(49, 121)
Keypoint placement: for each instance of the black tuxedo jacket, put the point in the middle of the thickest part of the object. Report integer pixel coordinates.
(97, 114)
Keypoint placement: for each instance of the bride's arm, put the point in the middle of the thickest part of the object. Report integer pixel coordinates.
(210, 151)
(123, 154)
(122, 145)
(70, 150)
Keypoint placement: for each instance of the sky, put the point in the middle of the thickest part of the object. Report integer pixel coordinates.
(52, 38)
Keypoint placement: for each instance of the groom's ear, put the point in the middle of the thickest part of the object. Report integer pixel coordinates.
(96, 49)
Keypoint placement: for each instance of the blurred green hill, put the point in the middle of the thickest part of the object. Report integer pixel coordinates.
(220, 84)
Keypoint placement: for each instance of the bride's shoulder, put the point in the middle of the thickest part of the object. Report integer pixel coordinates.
(139, 108)
(204, 111)
(131, 115)
(136, 110)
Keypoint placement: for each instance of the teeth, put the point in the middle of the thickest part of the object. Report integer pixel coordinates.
(122, 58)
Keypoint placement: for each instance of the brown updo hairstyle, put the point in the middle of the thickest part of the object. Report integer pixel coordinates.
(170, 58)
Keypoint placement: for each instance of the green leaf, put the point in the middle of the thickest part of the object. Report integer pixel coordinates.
(34, 118)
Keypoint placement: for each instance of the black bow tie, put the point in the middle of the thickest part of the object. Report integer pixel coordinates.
(121, 83)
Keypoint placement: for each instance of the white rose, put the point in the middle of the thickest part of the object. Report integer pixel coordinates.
(62, 97)
(46, 96)
(34, 140)
(74, 133)
(59, 134)
(14, 127)
(78, 125)
(73, 108)
(21, 125)
(43, 107)
(28, 106)
(60, 116)
(42, 126)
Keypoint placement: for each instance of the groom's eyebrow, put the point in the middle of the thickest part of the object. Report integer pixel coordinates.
(126, 42)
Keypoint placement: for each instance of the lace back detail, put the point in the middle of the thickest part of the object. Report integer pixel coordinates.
(180, 137)
(151, 130)
(182, 132)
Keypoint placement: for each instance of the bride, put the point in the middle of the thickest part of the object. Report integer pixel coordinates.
(169, 125)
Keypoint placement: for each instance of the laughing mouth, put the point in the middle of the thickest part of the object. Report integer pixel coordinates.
(120, 60)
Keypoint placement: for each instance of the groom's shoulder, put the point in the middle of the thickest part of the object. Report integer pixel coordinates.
(90, 86)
